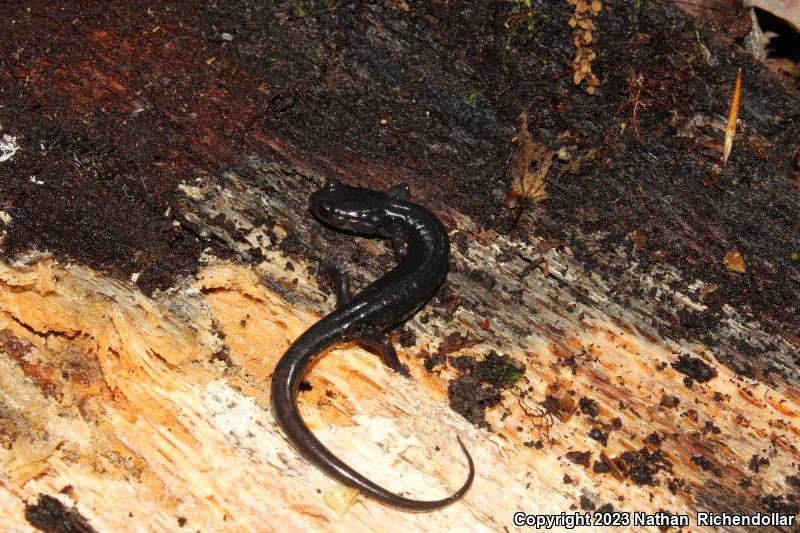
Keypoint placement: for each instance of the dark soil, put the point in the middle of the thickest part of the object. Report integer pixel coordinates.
(695, 368)
(644, 465)
(50, 515)
(479, 383)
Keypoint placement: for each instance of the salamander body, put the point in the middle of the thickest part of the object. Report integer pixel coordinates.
(423, 249)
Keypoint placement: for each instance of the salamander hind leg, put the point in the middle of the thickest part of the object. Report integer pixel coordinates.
(380, 343)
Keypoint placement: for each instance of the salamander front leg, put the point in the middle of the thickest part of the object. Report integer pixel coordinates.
(400, 192)
(370, 340)
(341, 283)
(380, 343)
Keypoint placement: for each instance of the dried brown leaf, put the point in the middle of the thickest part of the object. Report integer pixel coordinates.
(735, 262)
(530, 183)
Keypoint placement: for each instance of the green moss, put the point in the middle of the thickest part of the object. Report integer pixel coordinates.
(499, 370)
(523, 21)
(522, 25)
(637, 6)
(305, 8)
(512, 374)
(473, 98)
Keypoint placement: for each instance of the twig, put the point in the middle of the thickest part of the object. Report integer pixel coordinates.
(733, 114)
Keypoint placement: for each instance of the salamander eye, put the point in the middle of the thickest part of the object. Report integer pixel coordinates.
(325, 209)
(331, 184)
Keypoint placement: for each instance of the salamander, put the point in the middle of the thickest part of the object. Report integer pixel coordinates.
(422, 247)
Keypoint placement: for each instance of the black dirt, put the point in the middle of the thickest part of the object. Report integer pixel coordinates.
(470, 399)
(455, 342)
(644, 465)
(653, 439)
(500, 371)
(407, 338)
(292, 246)
(589, 407)
(694, 368)
(600, 467)
(433, 361)
(480, 382)
(676, 485)
(586, 504)
(579, 458)
(50, 515)
(606, 508)
(599, 436)
(788, 504)
(669, 402)
(757, 462)
(706, 464)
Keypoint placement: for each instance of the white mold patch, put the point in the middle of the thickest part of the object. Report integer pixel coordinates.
(8, 147)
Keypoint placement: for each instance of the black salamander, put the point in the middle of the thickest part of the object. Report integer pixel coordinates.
(423, 251)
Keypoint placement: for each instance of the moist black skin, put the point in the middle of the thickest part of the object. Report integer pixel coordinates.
(423, 250)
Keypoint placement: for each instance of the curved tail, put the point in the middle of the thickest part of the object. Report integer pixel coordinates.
(285, 383)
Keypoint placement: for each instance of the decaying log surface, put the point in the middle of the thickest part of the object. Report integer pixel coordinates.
(595, 350)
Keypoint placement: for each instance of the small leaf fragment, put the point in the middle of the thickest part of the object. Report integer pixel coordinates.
(735, 262)
(339, 498)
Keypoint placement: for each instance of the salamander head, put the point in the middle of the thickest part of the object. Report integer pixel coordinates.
(352, 208)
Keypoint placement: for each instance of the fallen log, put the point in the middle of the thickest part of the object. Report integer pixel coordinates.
(595, 350)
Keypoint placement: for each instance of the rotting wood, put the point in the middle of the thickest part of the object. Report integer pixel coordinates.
(191, 437)
(113, 398)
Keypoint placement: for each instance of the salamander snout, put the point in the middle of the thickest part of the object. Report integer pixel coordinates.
(325, 210)
(349, 208)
